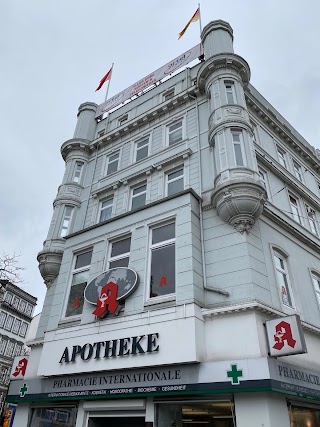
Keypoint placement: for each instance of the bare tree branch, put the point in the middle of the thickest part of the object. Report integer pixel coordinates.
(10, 269)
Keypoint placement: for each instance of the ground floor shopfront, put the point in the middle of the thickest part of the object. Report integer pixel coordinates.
(240, 393)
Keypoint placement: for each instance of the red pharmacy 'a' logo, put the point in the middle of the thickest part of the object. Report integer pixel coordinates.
(283, 333)
(107, 301)
(21, 367)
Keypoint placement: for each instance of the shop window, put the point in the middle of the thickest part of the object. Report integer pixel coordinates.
(112, 163)
(67, 215)
(138, 196)
(175, 182)
(162, 261)
(304, 416)
(175, 132)
(53, 416)
(142, 149)
(78, 172)
(79, 281)
(120, 253)
(106, 206)
(281, 268)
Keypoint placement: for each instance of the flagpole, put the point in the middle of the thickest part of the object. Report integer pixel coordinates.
(200, 19)
(108, 84)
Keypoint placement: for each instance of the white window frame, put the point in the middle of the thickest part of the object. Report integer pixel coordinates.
(141, 193)
(101, 133)
(101, 208)
(168, 94)
(112, 161)
(285, 274)
(315, 277)
(282, 157)
(230, 91)
(168, 132)
(9, 322)
(3, 317)
(23, 329)
(312, 218)
(18, 350)
(164, 243)
(10, 349)
(15, 302)
(240, 144)
(295, 208)
(22, 305)
(3, 345)
(264, 178)
(15, 323)
(83, 269)
(123, 119)
(66, 220)
(137, 149)
(297, 169)
(122, 255)
(29, 309)
(172, 171)
(78, 170)
(8, 297)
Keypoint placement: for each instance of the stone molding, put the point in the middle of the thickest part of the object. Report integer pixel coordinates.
(239, 203)
(218, 24)
(49, 264)
(75, 144)
(236, 122)
(67, 199)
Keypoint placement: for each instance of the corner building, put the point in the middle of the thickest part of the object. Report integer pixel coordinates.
(212, 199)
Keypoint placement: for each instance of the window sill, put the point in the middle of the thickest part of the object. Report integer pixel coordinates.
(68, 322)
(160, 300)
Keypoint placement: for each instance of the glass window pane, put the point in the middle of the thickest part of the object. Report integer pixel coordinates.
(140, 189)
(112, 167)
(142, 153)
(175, 174)
(175, 187)
(121, 247)
(175, 137)
(143, 143)
(138, 201)
(81, 277)
(123, 262)
(161, 234)
(175, 126)
(238, 154)
(76, 299)
(162, 280)
(83, 259)
(113, 157)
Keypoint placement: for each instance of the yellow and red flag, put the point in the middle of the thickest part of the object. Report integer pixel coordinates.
(195, 18)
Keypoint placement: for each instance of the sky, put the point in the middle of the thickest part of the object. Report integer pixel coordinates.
(54, 53)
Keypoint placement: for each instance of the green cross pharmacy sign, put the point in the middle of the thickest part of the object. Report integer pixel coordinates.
(235, 374)
(23, 390)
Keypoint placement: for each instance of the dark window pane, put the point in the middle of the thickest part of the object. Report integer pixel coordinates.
(112, 167)
(175, 187)
(142, 153)
(163, 233)
(83, 259)
(140, 189)
(238, 154)
(138, 201)
(121, 247)
(175, 174)
(123, 262)
(75, 302)
(175, 137)
(175, 126)
(162, 280)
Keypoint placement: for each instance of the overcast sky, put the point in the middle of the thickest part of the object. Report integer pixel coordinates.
(54, 53)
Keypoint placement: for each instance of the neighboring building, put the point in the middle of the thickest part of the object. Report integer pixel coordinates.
(212, 200)
(16, 311)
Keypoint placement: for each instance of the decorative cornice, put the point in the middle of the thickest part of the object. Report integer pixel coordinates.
(235, 122)
(75, 144)
(67, 199)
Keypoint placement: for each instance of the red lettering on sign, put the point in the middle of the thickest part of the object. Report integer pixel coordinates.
(283, 333)
(21, 367)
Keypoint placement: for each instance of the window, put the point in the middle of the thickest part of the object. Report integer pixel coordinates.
(22, 306)
(9, 349)
(106, 209)
(283, 279)
(263, 178)
(23, 329)
(230, 93)
(120, 253)
(4, 372)
(15, 301)
(8, 297)
(142, 149)
(297, 171)
(112, 163)
(79, 281)
(237, 147)
(175, 132)
(138, 196)
(3, 345)
(312, 220)
(9, 322)
(316, 283)
(100, 133)
(16, 326)
(175, 182)
(168, 94)
(295, 209)
(18, 350)
(162, 260)
(29, 310)
(77, 172)
(3, 316)
(122, 120)
(66, 221)
(282, 157)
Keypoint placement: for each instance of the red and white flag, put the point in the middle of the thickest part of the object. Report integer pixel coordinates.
(104, 79)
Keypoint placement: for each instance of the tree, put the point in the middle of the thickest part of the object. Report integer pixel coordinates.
(10, 269)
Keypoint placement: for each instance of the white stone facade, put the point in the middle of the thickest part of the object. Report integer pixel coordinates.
(213, 199)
